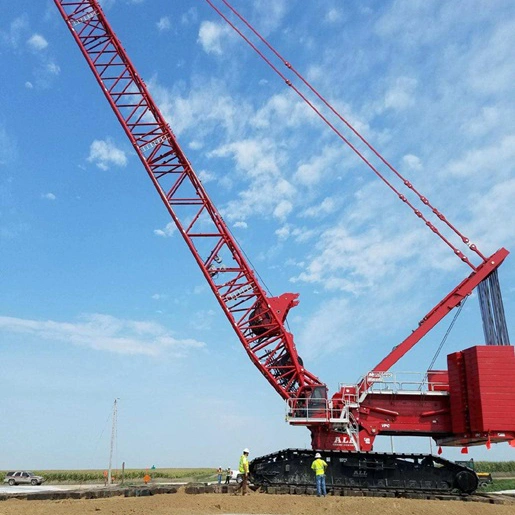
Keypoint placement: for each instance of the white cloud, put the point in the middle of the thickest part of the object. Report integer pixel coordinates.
(17, 28)
(167, 231)
(105, 153)
(333, 16)
(299, 234)
(283, 233)
(206, 176)
(48, 196)
(412, 162)
(415, 22)
(7, 146)
(104, 333)
(254, 156)
(401, 95)
(326, 206)
(207, 107)
(488, 208)
(497, 158)
(195, 145)
(305, 234)
(319, 166)
(492, 69)
(211, 36)
(264, 196)
(275, 11)
(286, 107)
(241, 225)
(488, 118)
(53, 68)
(37, 42)
(283, 209)
(190, 16)
(349, 324)
(163, 23)
(268, 192)
(44, 72)
(352, 257)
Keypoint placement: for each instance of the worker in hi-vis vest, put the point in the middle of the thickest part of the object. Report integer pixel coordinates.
(244, 472)
(319, 466)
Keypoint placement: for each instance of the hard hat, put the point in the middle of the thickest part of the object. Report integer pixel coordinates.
(246, 451)
(318, 455)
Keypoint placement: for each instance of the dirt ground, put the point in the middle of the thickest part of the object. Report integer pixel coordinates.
(254, 503)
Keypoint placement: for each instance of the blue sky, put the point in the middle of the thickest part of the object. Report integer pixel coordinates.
(99, 297)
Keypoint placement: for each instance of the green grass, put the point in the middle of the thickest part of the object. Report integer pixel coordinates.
(500, 484)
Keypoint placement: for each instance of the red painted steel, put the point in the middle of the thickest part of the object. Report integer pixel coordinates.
(458, 393)
(256, 318)
(481, 389)
(454, 298)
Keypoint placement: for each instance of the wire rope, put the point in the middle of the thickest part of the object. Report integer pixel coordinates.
(405, 182)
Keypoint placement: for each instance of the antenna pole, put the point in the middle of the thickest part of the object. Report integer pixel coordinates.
(113, 438)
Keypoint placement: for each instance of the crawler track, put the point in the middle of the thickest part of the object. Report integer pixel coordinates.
(381, 473)
(432, 496)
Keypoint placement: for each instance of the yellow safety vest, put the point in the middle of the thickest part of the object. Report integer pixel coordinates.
(319, 466)
(244, 464)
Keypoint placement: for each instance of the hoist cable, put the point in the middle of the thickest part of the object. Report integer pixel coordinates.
(406, 183)
(495, 328)
(449, 329)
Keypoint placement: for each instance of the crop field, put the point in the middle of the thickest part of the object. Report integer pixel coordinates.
(97, 476)
(502, 471)
(496, 466)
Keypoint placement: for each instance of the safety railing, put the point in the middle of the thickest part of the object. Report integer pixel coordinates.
(404, 382)
(305, 410)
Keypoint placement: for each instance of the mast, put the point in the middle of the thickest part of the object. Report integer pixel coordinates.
(113, 440)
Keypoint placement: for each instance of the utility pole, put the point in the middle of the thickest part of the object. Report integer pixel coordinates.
(113, 439)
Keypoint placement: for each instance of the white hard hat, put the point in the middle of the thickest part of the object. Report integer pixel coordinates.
(318, 455)
(246, 451)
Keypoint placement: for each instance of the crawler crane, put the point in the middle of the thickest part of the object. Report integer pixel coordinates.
(471, 403)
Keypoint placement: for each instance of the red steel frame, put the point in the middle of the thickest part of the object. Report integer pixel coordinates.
(224, 266)
(452, 300)
(257, 319)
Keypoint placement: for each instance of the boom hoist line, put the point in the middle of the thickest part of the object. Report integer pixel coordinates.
(257, 319)
(484, 276)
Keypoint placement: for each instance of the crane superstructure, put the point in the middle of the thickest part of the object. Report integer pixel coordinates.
(454, 407)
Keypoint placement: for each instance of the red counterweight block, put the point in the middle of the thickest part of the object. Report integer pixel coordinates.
(481, 389)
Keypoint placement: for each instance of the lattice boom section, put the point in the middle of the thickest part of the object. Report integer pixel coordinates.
(242, 298)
